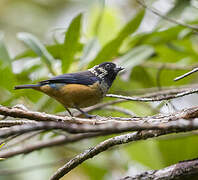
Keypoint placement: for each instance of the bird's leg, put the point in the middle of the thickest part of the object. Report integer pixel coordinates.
(69, 111)
(85, 113)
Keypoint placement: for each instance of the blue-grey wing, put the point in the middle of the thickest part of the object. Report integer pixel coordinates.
(84, 78)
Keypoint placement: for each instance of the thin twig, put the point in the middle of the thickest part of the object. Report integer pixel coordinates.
(141, 2)
(120, 109)
(158, 77)
(28, 148)
(186, 74)
(153, 92)
(152, 99)
(170, 66)
(19, 139)
(99, 106)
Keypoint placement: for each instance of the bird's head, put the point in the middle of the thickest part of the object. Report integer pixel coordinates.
(106, 71)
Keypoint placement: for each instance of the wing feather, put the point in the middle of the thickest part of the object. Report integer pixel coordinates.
(84, 78)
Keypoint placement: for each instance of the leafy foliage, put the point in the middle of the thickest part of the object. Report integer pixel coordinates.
(131, 48)
(71, 43)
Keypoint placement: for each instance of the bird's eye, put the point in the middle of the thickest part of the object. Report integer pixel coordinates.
(107, 66)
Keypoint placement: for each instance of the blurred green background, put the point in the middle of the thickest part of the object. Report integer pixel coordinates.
(42, 38)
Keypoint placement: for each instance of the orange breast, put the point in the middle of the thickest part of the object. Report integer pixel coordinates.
(72, 95)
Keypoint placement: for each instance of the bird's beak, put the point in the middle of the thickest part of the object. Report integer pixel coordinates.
(118, 69)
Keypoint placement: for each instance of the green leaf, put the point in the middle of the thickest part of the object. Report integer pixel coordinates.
(170, 147)
(143, 77)
(157, 38)
(136, 56)
(100, 17)
(24, 76)
(32, 42)
(178, 9)
(7, 77)
(103, 22)
(110, 50)
(146, 153)
(90, 50)
(71, 42)
(54, 50)
(4, 55)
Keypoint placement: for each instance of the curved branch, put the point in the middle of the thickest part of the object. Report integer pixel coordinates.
(89, 153)
(182, 170)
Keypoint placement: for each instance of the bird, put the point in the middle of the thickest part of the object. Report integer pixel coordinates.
(81, 89)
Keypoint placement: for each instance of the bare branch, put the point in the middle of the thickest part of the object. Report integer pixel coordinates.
(170, 66)
(194, 28)
(19, 139)
(175, 121)
(38, 116)
(89, 153)
(186, 74)
(164, 90)
(157, 98)
(182, 170)
(99, 106)
(9, 123)
(46, 144)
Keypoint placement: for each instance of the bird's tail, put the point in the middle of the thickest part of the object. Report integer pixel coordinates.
(27, 86)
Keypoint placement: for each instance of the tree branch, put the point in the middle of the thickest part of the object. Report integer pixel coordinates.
(170, 66)
(152, 99)
(154, 11)
(150, 126)
(103, 146)
(181, 171)
(37, 116)
(46, 144)
(116, 125)
(9, 123)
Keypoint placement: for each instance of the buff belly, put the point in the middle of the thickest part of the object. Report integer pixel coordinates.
(74, 95)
